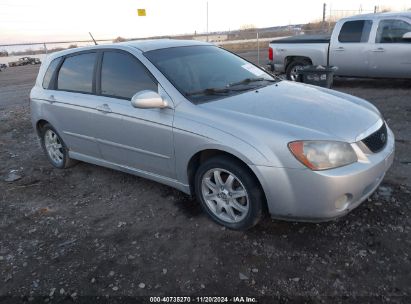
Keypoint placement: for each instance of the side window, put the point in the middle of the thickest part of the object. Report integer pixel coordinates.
(391, 31)
(49, 73)
(122, 76)
(355, 31)
(76, 73)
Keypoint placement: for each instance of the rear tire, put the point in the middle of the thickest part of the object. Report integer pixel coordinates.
(229, 193)
(54, 148)
(293, 67)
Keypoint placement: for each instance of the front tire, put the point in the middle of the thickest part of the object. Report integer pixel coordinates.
(229, 193)
(54, 147)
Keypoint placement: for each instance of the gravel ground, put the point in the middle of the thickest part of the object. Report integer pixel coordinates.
(91, 231)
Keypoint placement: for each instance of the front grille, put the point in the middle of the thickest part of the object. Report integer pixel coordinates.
(377, 140)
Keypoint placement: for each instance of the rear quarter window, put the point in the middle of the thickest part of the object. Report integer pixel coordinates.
(50, 72)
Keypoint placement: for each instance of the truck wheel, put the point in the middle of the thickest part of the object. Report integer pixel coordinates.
(292, 69)
(229, 193)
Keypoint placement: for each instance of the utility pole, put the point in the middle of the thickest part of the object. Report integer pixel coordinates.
(207, 21)
(329, 18)
(324, 8)
(258, 50)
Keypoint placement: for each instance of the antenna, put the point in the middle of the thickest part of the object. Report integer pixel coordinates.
(93, 38)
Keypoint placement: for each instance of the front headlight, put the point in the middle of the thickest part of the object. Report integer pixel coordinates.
(322, 155)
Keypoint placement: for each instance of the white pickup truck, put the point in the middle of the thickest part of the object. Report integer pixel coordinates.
(374, 45)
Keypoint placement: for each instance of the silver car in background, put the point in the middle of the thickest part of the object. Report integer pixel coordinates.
(205, 121)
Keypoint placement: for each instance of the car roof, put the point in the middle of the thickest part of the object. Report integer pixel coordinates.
(377, 16)
(142, 45)
(155, 44)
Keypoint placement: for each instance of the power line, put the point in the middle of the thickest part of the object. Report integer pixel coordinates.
(55, 42)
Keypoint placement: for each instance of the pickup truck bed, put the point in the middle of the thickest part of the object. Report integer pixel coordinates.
(305, 39)
(292, 53)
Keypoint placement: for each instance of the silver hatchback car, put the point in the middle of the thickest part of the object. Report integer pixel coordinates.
(205, 121)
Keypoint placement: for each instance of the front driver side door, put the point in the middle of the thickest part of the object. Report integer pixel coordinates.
(139, 139)
(391, 54)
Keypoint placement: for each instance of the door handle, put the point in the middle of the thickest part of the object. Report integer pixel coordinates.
(379, 50)
(104, 108)
(340, 49)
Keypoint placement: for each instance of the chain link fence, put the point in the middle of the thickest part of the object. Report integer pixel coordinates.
(247, 38)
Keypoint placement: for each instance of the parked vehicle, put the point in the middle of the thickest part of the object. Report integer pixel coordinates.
(374, 45)
(200, 119)
(24, 61)
(2, 66)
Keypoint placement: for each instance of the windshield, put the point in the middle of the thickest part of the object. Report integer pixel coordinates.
(204, 73)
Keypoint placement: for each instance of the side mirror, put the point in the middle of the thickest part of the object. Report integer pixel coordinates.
(407, 36)
(148, 99)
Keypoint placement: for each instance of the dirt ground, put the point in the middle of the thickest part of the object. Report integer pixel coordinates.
(91, 231)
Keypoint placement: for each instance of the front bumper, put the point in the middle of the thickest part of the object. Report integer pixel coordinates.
(305, 195)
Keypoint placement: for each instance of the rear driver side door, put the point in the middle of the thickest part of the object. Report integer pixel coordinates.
(70, 101)
(349, 49)
(139, 139)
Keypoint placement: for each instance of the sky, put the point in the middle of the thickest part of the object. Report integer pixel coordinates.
(50, 20)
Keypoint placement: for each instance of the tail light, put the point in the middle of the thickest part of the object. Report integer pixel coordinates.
(270, 54)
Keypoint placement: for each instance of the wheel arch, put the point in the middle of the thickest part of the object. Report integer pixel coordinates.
(289, 59)
(201, 156)
(40, 124)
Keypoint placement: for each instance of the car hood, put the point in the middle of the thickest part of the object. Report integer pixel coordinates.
(339, 115)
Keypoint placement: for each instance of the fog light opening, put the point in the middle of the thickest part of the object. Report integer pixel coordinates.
(343, 201)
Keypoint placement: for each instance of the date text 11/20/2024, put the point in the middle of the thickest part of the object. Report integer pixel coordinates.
(238, 299)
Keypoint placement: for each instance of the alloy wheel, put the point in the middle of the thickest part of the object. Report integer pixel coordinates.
(54, 147)
(225, 195)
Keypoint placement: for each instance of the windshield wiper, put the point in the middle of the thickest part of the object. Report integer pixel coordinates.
(209, 91)
(249, 80)
(215, 91)
(228, 88)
